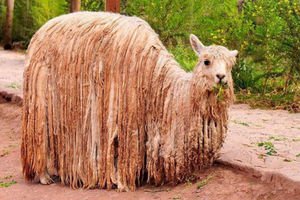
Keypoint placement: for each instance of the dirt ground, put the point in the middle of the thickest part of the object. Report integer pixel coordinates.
(11, 71)
(219, 182)
(264, 143)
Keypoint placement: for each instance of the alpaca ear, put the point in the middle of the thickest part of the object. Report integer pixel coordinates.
(196, 44)
(234, 53)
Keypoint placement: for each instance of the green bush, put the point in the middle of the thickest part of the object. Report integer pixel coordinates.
(92, 5)
(185, 56)
(30, 15)
(171, 19)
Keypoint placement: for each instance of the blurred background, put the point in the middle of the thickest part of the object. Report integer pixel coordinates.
(265, 32)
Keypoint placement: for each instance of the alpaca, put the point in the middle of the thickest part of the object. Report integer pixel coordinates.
(106, 106)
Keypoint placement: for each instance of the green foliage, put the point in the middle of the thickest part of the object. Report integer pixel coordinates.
(268, 146)
(30, 15)
(14, 85)
(278, 138)
(219, 91)
(274, 43)
(240, 122)
(204, 182)
(172, 19)
(92, 5)
(246, 75)
(185, 56)
(7, 184)
(2, 16)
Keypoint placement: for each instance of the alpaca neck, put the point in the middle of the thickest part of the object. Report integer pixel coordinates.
(205, 100)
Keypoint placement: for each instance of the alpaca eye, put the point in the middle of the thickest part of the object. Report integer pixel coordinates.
(206, 62)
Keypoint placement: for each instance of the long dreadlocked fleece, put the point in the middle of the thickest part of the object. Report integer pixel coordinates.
(106, 106)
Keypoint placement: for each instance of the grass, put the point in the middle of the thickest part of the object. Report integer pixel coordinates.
(14, 85)
(261, 156)
(269, 147)
(7, 184)
(219, 90)
(278, 138)
(296, 140)
(204, 182)
(4, 153)
(241, 123)
(7, 150)
(8, 177)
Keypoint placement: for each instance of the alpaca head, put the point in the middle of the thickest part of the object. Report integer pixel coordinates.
(215, 63)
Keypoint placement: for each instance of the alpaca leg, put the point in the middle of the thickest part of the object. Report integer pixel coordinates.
(40, 131)
(45, 179)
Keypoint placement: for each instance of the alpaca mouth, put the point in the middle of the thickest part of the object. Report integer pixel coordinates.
(219, 90)
(223, 84)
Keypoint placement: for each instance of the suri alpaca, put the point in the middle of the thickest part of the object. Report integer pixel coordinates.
(106, 106)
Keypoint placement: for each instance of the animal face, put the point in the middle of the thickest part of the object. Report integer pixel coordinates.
(215, 62)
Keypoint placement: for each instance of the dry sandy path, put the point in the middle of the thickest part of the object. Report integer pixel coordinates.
(252, 173)
(11, 71)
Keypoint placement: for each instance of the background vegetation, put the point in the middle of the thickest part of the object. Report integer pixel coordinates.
(266, 34)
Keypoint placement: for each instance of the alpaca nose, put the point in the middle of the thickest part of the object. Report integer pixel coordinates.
(220, 76)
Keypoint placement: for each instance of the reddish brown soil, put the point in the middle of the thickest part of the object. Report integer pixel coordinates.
(224, 183)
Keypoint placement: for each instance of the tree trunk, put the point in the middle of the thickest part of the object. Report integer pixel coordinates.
(7, 34)
(74, 5)
(240, 5)
(112, 6)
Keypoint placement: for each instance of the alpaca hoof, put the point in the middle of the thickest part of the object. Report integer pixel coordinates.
(46, 180)
(122, 189)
